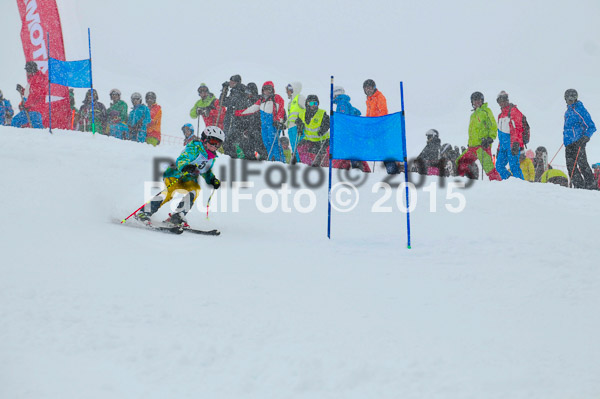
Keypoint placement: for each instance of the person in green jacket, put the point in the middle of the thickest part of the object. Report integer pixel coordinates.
(117, 115)
(482, 132)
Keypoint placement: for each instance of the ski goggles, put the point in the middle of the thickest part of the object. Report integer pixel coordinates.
(203, 90)
(312, 103)
(213, 141)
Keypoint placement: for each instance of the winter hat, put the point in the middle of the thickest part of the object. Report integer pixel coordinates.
(571, 94)
(189, 126)
(251, 88)
(311, 97)
(337, 90)
(369, 83)
(529, 154)
(502, 97)
(236, 78)
(31, 67)
(202, 86)
(432, 133)
(477, 96)
(268, 83)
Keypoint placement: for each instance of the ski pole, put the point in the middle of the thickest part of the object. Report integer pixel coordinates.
(561, 146)
(317, 156)
(272, 145)
(150, 200)
(208, 202)
(574, 166)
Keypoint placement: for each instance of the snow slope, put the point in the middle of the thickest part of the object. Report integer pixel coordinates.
(497, 301)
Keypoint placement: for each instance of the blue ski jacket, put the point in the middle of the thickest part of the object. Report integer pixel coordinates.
(343, 105)
(577, 123)
(139, 118)
(20, 120)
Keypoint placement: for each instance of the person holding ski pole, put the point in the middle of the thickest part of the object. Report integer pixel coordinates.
(313, 123)
(272, 116)
(577, 131)
(197, 159)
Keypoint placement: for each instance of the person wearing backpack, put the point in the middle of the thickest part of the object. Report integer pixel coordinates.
(577, 131)
(510, 136)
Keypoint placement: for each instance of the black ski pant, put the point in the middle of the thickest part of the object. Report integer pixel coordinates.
(578, 166)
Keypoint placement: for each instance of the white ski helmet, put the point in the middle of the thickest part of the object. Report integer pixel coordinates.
(213, 131)
(136, 96)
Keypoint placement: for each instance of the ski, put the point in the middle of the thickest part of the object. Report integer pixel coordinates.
(163, 229)
(214, 232)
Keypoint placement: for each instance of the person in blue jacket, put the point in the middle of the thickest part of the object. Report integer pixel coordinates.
(578, 130)
(139, 118)
(196, 159)
(27, 118)
(342, 102)
(6, 111)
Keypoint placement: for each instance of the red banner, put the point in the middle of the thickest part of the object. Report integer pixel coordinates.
(40, 18)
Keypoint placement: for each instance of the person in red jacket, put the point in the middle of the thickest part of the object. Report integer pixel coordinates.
(153, 128)
(36, 93)
(510, 136)
(272, 116)
(377, 106)
(209, 108)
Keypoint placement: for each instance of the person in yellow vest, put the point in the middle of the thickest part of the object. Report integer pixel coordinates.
(555, 176)
(295, 106)
(526, 161)
(313, 124)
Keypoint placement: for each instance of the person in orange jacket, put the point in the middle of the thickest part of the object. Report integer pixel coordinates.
(377, 106)
(153, 128)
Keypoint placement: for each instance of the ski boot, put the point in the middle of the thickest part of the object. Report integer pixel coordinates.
(143, 217)
(177, 219)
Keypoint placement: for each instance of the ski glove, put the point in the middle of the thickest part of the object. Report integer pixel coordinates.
(515, 148)
(216, 183)
(486, 142)
(278, 125)
(190, 169)
(583, 140)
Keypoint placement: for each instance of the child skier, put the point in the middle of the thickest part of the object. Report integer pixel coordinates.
(196, 159)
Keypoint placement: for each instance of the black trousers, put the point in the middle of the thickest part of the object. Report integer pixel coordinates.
(583, 177)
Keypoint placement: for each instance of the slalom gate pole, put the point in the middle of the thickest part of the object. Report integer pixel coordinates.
(92, 85)
(405, 166)
(208, 202)
(561, 146)
(330, 160)
(150, 200)
(574, 167)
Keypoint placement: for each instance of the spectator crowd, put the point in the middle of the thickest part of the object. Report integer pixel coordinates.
(258, 126)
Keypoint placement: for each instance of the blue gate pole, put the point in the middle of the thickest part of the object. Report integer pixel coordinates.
(91, 84)
(49, 88)
(405, 165)
(330, 160)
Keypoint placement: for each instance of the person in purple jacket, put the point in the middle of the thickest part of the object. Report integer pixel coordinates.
(578, 130)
